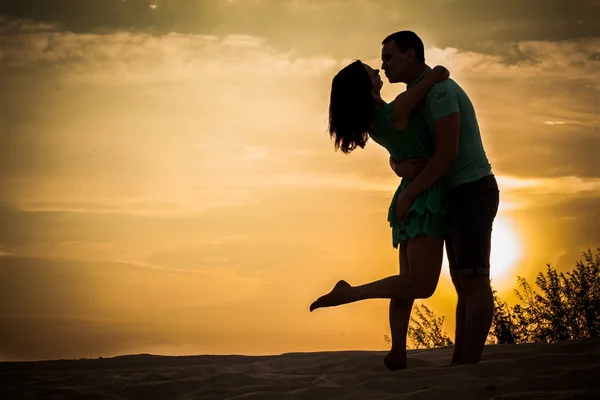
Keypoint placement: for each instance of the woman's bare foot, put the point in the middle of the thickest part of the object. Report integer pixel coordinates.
(340, 294)
(395, 360)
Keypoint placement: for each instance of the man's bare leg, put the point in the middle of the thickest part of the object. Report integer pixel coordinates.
(474, 206)
(478, 316)
(475, 307)
(461, 312)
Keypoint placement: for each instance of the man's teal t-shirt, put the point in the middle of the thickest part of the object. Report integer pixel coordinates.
(446, 98)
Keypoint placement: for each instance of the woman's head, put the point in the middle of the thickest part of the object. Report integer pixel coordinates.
(353, 93)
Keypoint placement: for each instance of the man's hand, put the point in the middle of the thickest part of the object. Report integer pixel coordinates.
(403, 203)
(407, 169)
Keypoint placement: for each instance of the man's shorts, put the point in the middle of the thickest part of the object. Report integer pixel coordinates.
(473, 207)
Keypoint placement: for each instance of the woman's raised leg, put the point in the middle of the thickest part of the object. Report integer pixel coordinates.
(425, 263)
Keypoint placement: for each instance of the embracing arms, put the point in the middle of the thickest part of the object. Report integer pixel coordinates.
(447, 131)
(404, 104)
(408, 100)
(442, 104)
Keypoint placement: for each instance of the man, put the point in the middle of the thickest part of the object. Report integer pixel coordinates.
(473, 193)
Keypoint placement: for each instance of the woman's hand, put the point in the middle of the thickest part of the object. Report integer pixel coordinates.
(441, 73)
(407, 169)
(403, 203)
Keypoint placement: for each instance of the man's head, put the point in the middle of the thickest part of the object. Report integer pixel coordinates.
(402, 54)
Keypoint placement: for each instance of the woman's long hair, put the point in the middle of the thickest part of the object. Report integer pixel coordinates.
(350, 107)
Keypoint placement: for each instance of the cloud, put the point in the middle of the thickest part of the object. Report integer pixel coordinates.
(517, 98)
(137, 58)
(14, 26)
(128, 163)
(527, 60)
(469, 24)
(58, 338)
(166, 109)
(526, 194)
(567, 184)
(113, 291)
(179, 293)
(256, 153)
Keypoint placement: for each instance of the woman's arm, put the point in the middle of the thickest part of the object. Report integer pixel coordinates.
(408, 168)
(408, 100)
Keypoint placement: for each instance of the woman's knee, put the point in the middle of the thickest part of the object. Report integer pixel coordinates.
(425, 254)
(426, 288)
(425, 259)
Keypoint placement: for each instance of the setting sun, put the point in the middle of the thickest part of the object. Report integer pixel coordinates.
(507, 250)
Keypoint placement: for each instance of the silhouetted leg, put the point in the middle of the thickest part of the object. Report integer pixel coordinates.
(478, 318)
(425, 260)
(399, 314)
(461, 306)
(473, 208)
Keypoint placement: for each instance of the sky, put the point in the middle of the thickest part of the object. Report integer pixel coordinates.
(169, 186)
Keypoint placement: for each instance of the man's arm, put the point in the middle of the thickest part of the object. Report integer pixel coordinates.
(442, 103)
(447, 133)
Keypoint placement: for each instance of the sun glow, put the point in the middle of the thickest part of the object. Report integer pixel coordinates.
(507, 249)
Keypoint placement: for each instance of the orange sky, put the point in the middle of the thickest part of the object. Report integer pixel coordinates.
(168, 185)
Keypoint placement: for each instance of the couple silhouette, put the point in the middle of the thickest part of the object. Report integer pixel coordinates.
(448, 192)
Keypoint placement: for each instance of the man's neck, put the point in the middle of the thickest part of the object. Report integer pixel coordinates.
(415, 73)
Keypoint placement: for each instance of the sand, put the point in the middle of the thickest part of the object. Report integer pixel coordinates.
(566, 370)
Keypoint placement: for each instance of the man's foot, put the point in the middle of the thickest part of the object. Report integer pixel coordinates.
(340, 294)
(395, 360)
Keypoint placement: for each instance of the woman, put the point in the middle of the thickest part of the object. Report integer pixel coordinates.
(356, 113)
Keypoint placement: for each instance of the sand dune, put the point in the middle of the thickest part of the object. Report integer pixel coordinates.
(566, 370)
